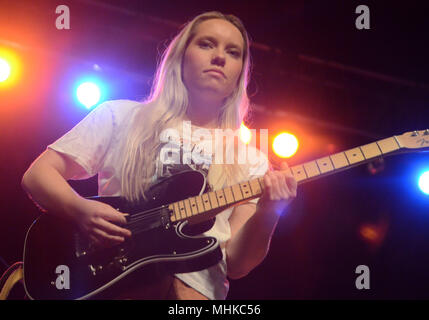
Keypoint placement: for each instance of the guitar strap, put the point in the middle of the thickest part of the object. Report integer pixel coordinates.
(13, 278)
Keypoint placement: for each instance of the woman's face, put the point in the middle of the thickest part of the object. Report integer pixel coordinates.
(218, 45)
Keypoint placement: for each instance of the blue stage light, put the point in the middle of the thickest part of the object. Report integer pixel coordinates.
(88, 94)
(424, 182)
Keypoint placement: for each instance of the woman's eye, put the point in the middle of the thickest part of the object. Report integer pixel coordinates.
(205, 44)
(235, 54)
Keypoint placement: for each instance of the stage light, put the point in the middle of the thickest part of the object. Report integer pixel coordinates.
(10, 68)
(285, 145)
(88, 94)
(424, 182)
(5, 70)
(369, 233)
(374, 233)
(245, 134)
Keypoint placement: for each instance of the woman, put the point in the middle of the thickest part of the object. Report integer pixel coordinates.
(202, 78)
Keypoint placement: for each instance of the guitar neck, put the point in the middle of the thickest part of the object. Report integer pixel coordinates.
(344, 160)
(217, 201)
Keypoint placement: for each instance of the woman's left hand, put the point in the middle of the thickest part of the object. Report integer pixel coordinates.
(280, 190)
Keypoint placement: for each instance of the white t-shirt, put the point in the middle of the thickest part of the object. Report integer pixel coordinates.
(97, 144)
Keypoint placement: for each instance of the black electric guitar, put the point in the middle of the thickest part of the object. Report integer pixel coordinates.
(60, 262)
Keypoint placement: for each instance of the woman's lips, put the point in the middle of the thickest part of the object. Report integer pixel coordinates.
(216, 72)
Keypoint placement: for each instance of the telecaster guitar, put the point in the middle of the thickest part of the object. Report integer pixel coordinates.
(60, 262)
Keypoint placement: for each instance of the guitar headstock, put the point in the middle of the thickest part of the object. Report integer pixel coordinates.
(415, 139)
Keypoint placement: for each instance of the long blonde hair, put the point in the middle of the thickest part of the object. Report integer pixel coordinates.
(168, 102)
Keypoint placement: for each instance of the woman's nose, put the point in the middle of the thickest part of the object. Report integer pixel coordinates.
(218, 58)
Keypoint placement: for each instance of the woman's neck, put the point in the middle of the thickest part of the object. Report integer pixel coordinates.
(203, 123)
(203, 114)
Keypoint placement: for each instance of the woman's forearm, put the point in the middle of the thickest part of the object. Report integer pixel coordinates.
(250, 245)
(48, 189)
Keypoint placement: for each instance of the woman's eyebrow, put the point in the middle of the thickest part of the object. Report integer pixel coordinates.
(230, 45)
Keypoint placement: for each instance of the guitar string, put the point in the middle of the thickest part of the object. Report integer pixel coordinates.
(139, 222)
(144, 215)
(135, 224)
(139, 218)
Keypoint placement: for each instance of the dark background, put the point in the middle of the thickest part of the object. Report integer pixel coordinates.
(314, 73)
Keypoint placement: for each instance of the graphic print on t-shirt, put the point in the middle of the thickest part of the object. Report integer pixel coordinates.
(178, 156)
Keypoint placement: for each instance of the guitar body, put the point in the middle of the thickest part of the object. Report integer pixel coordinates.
(60, 262)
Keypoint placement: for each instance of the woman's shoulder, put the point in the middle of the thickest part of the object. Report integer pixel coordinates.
(121, 109)
(121, 105)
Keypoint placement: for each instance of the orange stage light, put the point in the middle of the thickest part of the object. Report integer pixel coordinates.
(10, 68)
(285, 145)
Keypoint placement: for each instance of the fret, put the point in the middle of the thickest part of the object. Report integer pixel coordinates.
(182, 209)
(339, 160)
(255, 186)
(299, 173)
(381, 152)
(311, 169)
(354, 155)
(325, 164)
(213, 200)
(200, 205)
(261, 182)
(371, 150)
(236, 191)
(187, 208)
(247, 193)
(388, 145)
(194, 207)
(177, 211)
(228, 195)
(220, 197)
(206, 201)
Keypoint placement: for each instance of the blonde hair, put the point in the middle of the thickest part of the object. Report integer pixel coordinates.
(168, 102)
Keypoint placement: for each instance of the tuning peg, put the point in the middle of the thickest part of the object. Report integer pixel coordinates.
(426, 132)
(414, 134)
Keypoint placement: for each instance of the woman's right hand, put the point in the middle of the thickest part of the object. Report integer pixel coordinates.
(100, 222)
